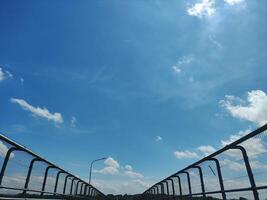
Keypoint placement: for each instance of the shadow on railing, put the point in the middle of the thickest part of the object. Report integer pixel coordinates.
(237, 171)
(27, 175)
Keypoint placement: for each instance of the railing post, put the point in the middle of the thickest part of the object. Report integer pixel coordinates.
(167, 186)
(162, 188)
(219, 176)
(29, 174)
(2, 173)
(180, 186)
(81, 190)
(157, 189)
(249, 171)
(45, 177)
(201, 179)
(56, 184)
(189, 183)
(91, 192)
(65, 183)
(173, 190)
(71, 187)
(77, 186)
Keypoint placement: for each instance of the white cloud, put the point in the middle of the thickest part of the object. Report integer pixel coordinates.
(111, 162)
(141, 183)
(39, 112)
(254, 146)
(176, 69)
(116, 186)
(4, 149)
(233, 165)
(215, 42)
(133, 174)
(73, 121)
(5, 74)
(204, 150)
(158, 138)
(112, 167)
(108, 170)
(185, 154)
(130, 173)
(128, 167)
(22, 80)
(9, 74)
(233, 2)
(205, 8)
(182, 61)
(254, 110)
(207, 150)
(2, 75)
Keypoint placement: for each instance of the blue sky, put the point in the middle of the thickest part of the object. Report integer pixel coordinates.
(154, 84)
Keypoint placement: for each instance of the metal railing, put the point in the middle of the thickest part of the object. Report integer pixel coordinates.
(237, 171)
(25, 174)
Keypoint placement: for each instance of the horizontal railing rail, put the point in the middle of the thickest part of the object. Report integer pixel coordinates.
(9, 184)
(251, 151)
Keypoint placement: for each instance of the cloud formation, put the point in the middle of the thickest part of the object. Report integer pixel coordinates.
(206, 150)
(185, 154)
(158, 138)
(5, 74)
(2, 75)
(73, 121)
(130, 173)
(38, 112)
(233, 2)
(254, 146)
(182, 61)
(112, 167)
(205, 8)
(253, 108)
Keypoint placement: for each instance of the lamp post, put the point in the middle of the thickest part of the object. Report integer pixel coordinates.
(90, 174)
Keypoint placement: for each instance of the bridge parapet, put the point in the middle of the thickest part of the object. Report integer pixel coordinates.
(236, 171)
(25, 174)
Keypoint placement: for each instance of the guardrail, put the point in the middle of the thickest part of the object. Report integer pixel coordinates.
(25, 174)
(236, 171)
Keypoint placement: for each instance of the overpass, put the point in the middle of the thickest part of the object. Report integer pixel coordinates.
(236, 171)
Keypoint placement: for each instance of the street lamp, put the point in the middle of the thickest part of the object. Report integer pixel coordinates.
(91, 167)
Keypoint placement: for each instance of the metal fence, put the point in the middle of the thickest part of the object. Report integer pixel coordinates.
(237, 171)
(27, 175)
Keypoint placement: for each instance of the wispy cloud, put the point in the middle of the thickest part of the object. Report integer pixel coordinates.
(182, 61)
(39, 112)
(5, 74)
(73, 121)
(128, 167)
(132, 174)
(233, 2)
(132, 186)
(253, 108)
(2, 75)
(158, 138)
(254, 146)
(204, 8)
(207, 8)
(206, 149)
(185, 154)
(22, 80)
(9, 74)
(215, 42)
